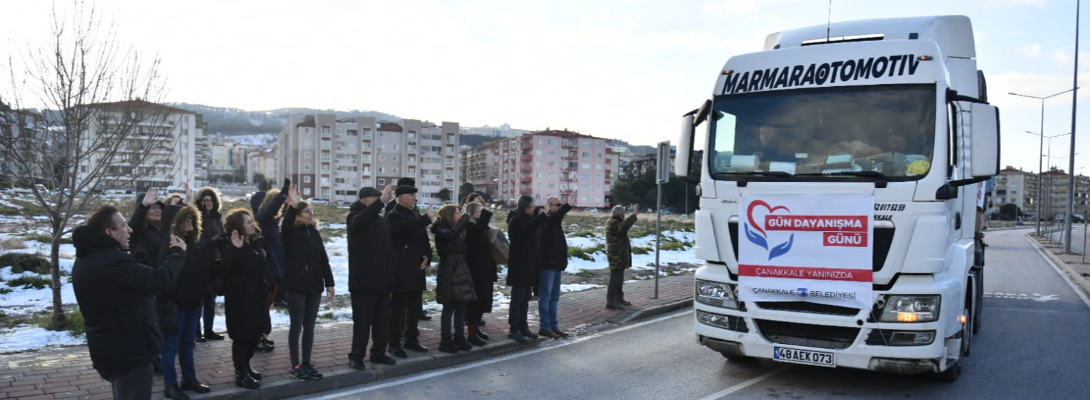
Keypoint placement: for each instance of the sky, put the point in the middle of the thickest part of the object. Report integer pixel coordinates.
(626, 69)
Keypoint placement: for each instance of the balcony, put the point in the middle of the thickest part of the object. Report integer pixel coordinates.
(527, 191)
(526, 179)
(527, 157)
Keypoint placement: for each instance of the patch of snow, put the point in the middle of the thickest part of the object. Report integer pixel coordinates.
(577, 287)
(23, 338)
(336, 226)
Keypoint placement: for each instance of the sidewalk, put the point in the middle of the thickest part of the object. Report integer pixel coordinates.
(67, 373)
(1072, 264)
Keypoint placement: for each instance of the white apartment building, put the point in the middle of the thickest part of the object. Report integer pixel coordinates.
(330, 158)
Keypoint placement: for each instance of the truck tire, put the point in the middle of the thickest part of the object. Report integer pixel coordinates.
(967, 334)
(951, 374)
(978, 303)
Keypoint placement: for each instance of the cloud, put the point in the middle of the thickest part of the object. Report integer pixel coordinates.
(1032, 51)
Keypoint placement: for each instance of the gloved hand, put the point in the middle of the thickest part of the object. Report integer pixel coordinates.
(287, 186)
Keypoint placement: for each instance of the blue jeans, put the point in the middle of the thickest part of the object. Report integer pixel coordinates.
(457, 312)
(548, 297)
(182, 343)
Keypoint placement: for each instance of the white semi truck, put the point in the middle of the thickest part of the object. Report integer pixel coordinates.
(886, 112)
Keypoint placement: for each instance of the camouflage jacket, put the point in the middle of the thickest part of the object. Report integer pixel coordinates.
(618, 245)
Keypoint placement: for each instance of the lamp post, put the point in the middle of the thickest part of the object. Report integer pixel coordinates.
(1071, 153)
(1041, 174)
(1067, 215)
(1040, 165)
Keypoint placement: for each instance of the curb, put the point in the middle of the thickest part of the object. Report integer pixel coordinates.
(1079, 280)
(341, 376)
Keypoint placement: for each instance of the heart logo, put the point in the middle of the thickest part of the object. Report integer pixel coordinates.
(755, 231)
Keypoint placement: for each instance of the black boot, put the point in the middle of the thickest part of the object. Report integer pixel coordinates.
(622, 301)
(195, 386)
(415, 346)
(481, 333)
(448, 346)
(398, 352)
(611, 303)
(256, 375)
(244, 380)
(462, 344)
(174, 392)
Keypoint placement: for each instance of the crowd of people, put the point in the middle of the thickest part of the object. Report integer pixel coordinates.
(144, 284)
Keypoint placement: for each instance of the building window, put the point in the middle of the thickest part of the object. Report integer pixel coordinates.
(395, 170)
(325, 181)
(552, 152)
(552, 186)
(306, 191)
(412, 171)
(586, 176)
(325, 157)
(306, 179)
(338, 180)
(366, 158)
(586, 154)
(552, 164)
(306, 154)
(396, 158)
(381, 170)
(366, 133)
(382, 157)
(381, 181)
(306, 167)
(307, 142)
(450, 138)
(586, 165)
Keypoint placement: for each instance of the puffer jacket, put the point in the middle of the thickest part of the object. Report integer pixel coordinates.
(306, 263)
(270, 231)
(453, 281)
(189, 289)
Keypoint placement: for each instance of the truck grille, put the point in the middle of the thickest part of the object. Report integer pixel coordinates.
(826, 337)
(883, 239)
(804, 307)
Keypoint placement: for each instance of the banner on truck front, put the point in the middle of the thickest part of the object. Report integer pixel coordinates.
(806, 247)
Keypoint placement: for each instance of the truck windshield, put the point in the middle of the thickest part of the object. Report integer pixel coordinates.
(828, 133)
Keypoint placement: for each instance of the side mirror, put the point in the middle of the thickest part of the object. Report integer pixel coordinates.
(984, 140)
(685, 141)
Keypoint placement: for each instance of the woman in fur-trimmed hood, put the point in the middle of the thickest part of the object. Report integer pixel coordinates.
(180, 303)
(209, 204)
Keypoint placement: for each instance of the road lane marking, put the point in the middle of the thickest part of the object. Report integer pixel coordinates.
(743, 385)
(1023, 296)
(1066, 278)
(476, 364)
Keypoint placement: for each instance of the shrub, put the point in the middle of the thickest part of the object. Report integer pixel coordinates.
(31, 282)
(4, 290)
(23, 262)
(583, 233)
(10, 211)
(13, 244)
(73, 323)
(585, 273)
(38, 237)
(676, 245)
(642, 250)
(585, 253)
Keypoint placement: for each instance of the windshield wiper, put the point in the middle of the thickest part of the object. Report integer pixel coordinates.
(881, 179)
(780, 174)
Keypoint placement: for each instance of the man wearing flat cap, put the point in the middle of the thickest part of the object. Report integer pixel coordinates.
(407, 181)
(408, 229)
(371, 264)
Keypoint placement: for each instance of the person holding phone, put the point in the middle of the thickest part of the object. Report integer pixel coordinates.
(619, 254)
(409, 233)
(306, 273)
(247, 283)
(524, 225)
(179, 305)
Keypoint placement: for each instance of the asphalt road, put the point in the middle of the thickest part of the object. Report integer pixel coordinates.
(1033, 345)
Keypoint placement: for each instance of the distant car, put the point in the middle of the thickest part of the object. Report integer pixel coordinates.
(591, 210)
(318, 201)
(1019, 223)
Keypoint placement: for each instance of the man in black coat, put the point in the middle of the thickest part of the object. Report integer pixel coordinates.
(370, 276)
(524, 230)
(554, 259)
(114, 292)
(406, 181)
(409, 231)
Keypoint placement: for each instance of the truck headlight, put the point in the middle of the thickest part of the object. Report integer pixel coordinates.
(910, 309)
(716, 294)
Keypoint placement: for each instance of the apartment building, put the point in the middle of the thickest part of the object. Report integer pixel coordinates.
(480, 167)
(545, 163)
(330, 157)
(172, 160)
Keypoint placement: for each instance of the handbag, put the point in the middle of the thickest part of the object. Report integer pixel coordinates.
(168, 316)
(500, 246)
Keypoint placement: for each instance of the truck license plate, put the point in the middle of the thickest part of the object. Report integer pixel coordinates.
(818, 358)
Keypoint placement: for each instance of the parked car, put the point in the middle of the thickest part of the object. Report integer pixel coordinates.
(318, 201)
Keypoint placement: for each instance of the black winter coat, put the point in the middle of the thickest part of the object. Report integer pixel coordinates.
(114, 293)
(524, 232)
(409, 232)
(370, 250)
(146, 237)
(188, 290)
(554, 245)
(211, 225)
(306, 263)
(246, 286)
(482, 267)
(453, 281)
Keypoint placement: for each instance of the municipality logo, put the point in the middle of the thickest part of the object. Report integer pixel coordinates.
(756, 232)
(802, 292)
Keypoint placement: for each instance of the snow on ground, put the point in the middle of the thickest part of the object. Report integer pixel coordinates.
(21, 301)
(25, 338)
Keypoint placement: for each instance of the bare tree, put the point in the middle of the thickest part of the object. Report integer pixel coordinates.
(83, 115)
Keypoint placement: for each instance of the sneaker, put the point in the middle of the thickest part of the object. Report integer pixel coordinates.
(462, 344)
(448, 346)
(314, 374)
(300, 373)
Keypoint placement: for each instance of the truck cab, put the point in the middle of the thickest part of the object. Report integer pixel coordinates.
(894, 110)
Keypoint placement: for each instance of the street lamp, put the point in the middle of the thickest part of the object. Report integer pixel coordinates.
(1040, 164)
(1067, 214)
